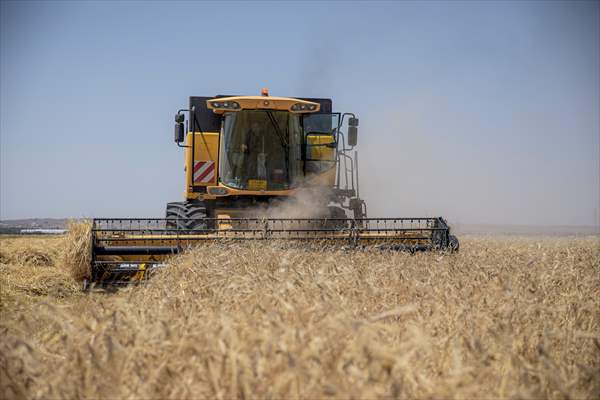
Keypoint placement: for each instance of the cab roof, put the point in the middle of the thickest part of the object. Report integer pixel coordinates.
(209, 121)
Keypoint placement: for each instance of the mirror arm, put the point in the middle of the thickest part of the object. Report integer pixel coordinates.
(344, 115)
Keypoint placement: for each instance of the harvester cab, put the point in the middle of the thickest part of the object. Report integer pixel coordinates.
(260, 168)
(244, 155)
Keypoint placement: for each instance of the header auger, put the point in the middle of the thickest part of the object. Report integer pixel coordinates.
(248, 159)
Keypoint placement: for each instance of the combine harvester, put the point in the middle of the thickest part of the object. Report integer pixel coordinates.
(247, 160)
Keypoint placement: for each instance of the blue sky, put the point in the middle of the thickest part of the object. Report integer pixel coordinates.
(484, 112)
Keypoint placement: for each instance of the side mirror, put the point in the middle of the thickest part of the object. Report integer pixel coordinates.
(352, 131)
(179, 130)
(352, 136)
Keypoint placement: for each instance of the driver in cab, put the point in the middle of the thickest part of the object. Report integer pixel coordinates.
(263, 156)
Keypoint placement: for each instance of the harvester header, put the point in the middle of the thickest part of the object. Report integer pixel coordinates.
(249, 162)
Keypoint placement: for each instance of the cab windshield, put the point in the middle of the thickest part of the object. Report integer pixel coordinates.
(261, 150)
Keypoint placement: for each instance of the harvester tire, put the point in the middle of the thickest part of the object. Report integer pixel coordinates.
(453, 243)
(336, 212)
(184, 215)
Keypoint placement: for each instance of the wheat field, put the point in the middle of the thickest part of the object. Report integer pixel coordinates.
(506, 317)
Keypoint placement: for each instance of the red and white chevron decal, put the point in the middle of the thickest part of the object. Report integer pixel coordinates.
(204, 172)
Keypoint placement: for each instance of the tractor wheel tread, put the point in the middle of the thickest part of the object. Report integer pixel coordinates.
(185, 213)
(336, 213)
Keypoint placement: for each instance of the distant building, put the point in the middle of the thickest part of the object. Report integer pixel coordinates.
(42, 231)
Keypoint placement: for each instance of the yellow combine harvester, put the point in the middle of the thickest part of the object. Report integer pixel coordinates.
(260, 168)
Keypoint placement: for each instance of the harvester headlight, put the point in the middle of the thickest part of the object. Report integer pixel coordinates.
(303, 107)
(217, 191)
(230, 105)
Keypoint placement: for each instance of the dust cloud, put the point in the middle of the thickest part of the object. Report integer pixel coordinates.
(307, 202)
(413, 166)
